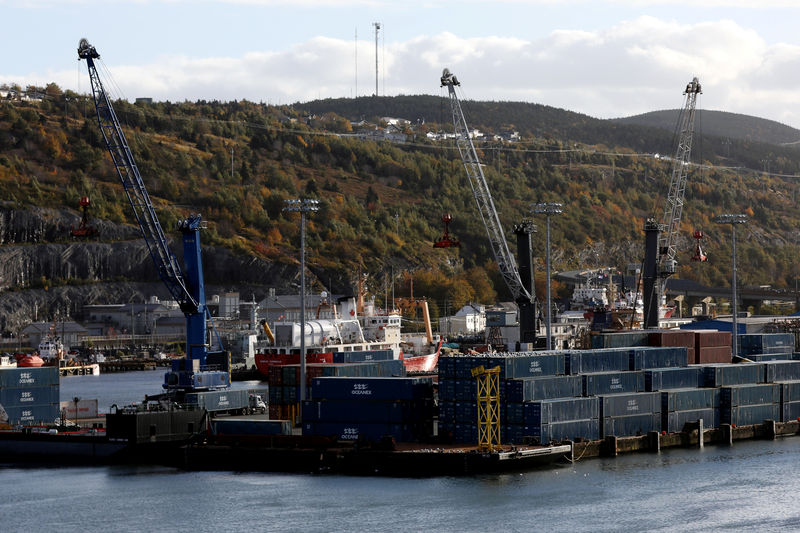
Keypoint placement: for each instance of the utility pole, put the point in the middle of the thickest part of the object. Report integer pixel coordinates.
(302, 206)
(733, 220)
(377, 29)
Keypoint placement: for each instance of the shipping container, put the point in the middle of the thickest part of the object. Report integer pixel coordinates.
(707, 338)
(631, 425)
(561, 410)
(535, 365)
(378, 388)
(637, 403)
(719, 375)
(466, 390)
(761, 343)
(712, 354)
(790, 411)
(689, 399)
(762, 357)
(588, 429)
(31, 395)
(746, 415)
(673, 378)
(388, 412)
(359, 431)
(599, 383)
(781, 371)
(28, 377)
(466, 412)
(363, 356)
(790, 391)
(446, 367)
(221, 400)
(447, 411)
(542, 388)
(674, 421)
(622, 339)
(600, 360)
(250, 426)
(30, 414)
(447, 389)
(672, 337)
(740, 395)
(653, 357)
(81, 409)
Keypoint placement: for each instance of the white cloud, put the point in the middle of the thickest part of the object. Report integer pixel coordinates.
(632, 67)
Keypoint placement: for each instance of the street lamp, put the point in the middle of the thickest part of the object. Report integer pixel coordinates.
(733, 220)
(548, 209)
(302, 206)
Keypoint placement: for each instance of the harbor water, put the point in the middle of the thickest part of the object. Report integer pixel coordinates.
(749, 486)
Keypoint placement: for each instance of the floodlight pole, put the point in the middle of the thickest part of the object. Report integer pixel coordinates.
(548, 209)
(733, 220)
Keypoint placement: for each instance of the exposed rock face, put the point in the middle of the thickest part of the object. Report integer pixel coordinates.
(42, 270)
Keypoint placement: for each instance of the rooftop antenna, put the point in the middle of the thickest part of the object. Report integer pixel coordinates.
(377, 29)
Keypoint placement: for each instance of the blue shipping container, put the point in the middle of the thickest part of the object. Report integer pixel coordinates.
(359, 431)
(535, 365)
(368, 389)
(657, 379)
(612, 383)
(689, 399)
(363, 356)
(22, 396)
(28, 377)
(790, 391)
(447, 389)
(766, 343)
(355, 411)
(760, 358)
(790, 411)
(30, 414)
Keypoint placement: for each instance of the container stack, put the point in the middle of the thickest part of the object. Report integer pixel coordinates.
(284, 380)
(635, 413)
(29, 395)
(790, 401)
(679, 406)
(370, 408)
(743, 405)
(760, 345)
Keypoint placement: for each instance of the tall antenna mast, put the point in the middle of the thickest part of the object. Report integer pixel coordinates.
(377, 29)
(356, 61)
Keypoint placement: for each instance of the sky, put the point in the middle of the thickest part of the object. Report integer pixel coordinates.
(604, 58)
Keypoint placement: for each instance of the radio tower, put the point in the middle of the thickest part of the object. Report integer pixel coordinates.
(377, 29)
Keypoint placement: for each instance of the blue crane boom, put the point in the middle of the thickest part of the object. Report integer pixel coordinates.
(196, 372)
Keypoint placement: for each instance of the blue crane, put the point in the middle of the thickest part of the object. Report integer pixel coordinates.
(202, 369)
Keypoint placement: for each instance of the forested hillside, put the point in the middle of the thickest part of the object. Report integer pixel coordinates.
(382, 202)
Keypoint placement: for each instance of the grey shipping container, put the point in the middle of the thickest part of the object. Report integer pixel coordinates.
(781, 371)
(746, 415)
(624, 426)
(765, 343)
(28, 377)
(658, 357)
(760, 358)
(360, 431)
(600, 360)
(558, 431)
(222, 400)
(790, 411)
(534, 365)
(542, 388)
(622, 339)
(674, 421)
(638, 403)
(598, 383)
(562, 410)
(689, 399)
(673, 378)
(363, 356)
(739, 374)
(790, 391)
(756, 394)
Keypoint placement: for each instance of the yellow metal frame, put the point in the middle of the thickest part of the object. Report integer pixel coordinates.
(488, 383)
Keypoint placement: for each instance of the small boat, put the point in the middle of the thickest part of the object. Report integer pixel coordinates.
(30, 360)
